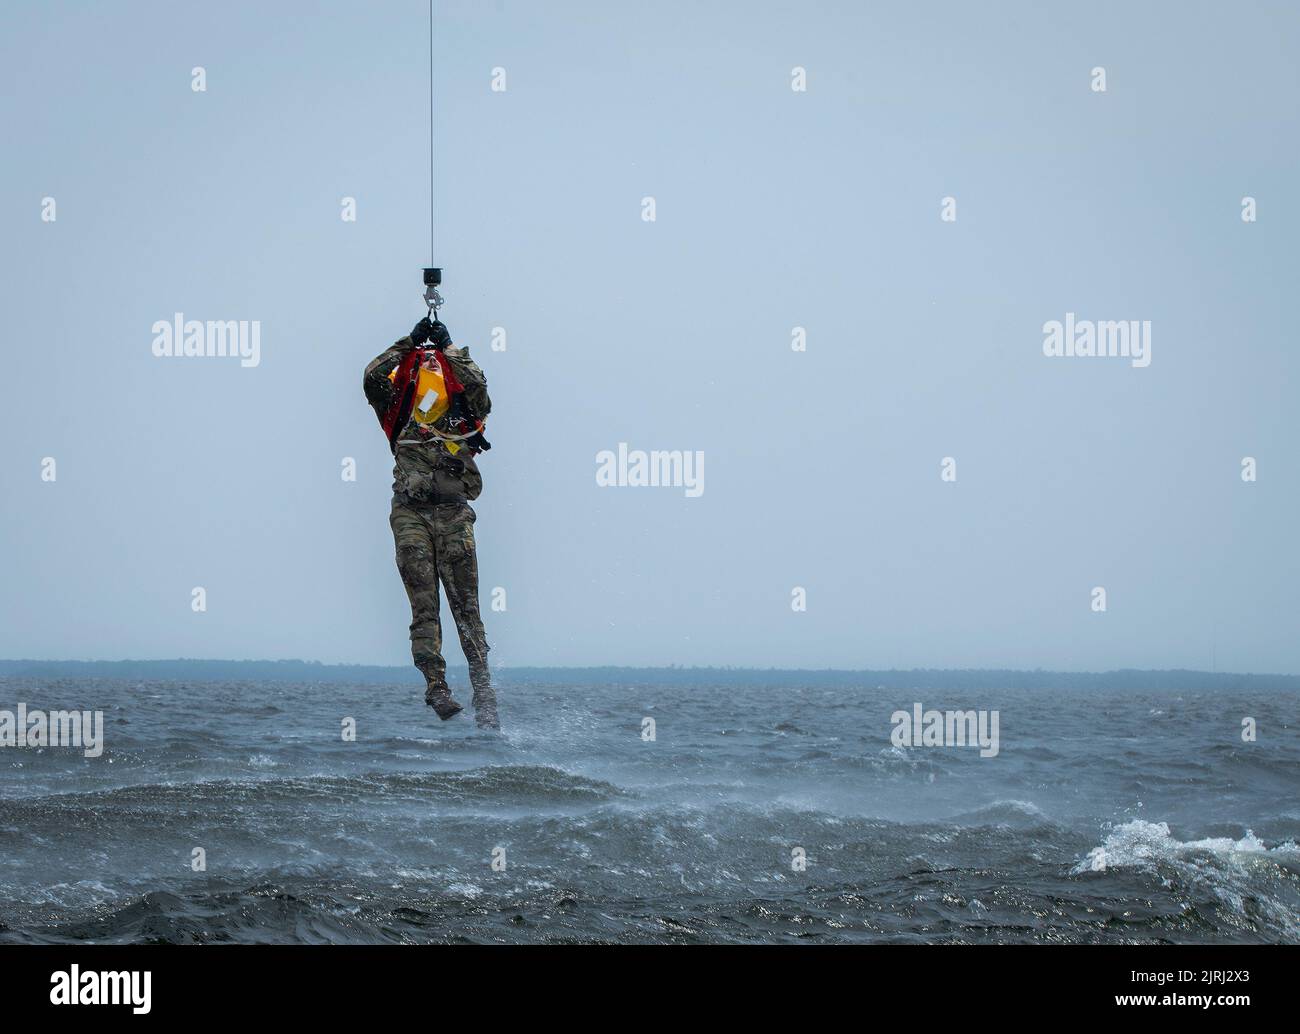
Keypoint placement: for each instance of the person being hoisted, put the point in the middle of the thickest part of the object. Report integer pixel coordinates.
(431, 400)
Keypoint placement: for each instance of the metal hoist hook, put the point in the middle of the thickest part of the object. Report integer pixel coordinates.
(432, 299)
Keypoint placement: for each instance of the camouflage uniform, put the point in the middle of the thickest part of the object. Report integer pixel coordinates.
(433, 527)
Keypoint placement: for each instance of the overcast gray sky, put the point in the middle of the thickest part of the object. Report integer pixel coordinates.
(774, 209)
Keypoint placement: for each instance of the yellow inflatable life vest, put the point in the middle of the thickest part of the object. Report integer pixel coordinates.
(431, 398)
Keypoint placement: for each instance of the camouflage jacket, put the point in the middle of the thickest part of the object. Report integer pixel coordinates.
(426, 468)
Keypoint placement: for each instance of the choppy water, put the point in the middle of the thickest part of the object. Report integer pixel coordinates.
(686, 838)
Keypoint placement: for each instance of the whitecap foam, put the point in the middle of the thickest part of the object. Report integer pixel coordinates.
(1234, 871)
(1142, 843)
(464, 890)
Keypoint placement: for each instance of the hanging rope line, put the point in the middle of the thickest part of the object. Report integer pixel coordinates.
(432, 274)
(430, 134)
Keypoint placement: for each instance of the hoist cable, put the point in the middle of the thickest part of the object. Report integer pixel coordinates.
(431, 255)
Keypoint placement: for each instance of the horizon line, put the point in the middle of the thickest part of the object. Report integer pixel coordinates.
(770, 669)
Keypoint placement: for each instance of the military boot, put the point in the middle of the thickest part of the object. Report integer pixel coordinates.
(438, 696)
(485, 701)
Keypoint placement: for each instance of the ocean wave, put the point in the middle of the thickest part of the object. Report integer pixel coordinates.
(1017, 814)
(503, 784)
(1252, 880)
(1141, 843)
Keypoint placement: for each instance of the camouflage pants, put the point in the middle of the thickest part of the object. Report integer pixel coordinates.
(435, 543)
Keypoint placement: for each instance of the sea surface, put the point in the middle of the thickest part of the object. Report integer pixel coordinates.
(1120, 815)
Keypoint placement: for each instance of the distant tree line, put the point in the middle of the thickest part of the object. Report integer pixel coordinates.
(186, 670)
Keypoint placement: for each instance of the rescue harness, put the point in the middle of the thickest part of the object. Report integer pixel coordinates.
(428, 394)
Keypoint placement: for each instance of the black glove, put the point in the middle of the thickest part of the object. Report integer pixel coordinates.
(420, 332)
(431, 331)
